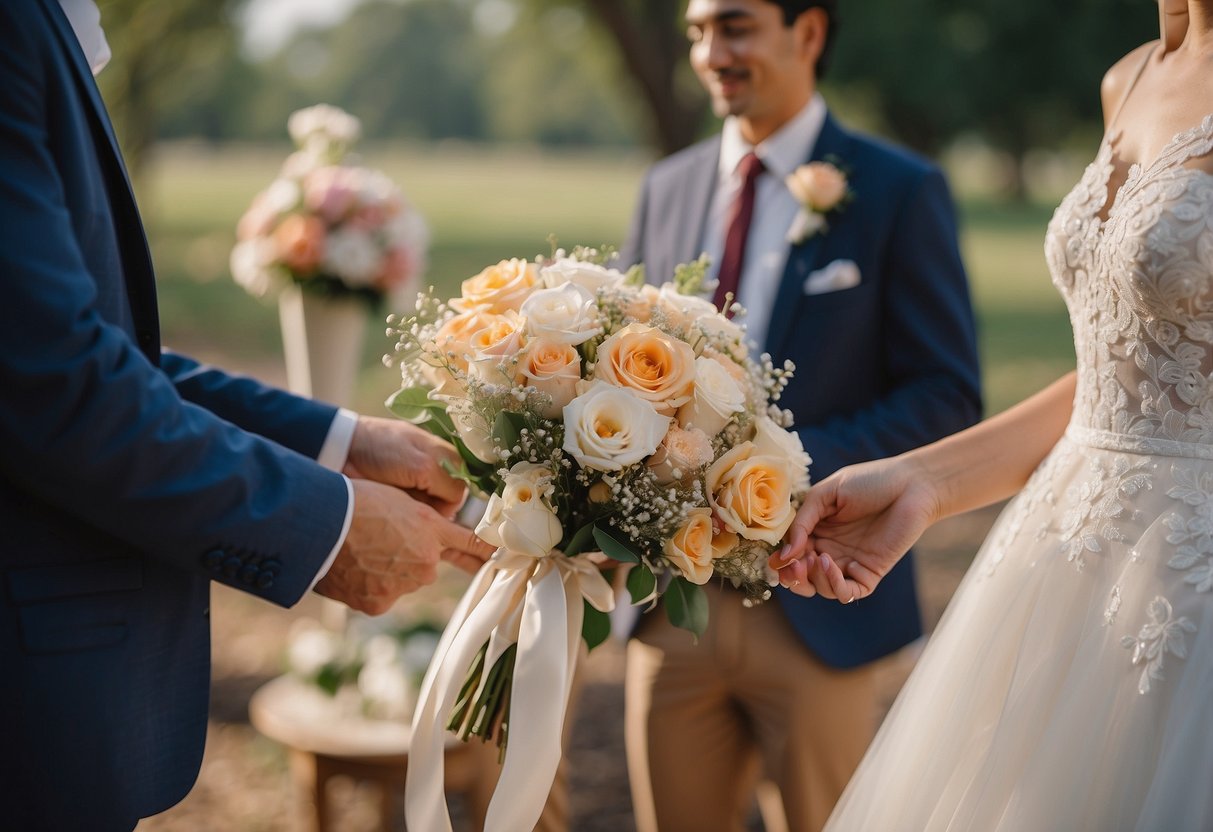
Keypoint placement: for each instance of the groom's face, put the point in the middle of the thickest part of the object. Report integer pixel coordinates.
(752, 64)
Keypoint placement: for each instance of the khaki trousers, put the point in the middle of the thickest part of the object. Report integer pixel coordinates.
(704, 721)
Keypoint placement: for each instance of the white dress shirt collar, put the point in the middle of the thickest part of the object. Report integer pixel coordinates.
(85, 18)
(784, 150)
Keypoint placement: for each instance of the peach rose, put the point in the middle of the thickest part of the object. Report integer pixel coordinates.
(552, 368)
(496, 347)
(454, 338)
(655, 366)
(300, 243)
(681, 454)
(751, 493)
(501, 287)
(691, 549)
(641, 302)
(818, 185)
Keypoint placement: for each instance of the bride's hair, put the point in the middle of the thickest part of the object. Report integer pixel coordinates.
(792, 9)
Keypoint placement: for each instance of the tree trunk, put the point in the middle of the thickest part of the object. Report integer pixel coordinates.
(653, 49)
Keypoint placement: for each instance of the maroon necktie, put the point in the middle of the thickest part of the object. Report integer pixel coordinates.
(740, 214)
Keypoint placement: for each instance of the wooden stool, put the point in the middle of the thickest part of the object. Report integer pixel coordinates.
(324, 744)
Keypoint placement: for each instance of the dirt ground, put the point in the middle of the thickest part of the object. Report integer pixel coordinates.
(245, 784)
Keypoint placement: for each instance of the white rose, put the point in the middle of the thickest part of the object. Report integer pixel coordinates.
(586, 275)
(567, 314)
(684, 310)
(250, 263)
(682, 453)
(771, 439)
(608, 427)
(521, 519)
(727, 333)
(473, 430)
(553, 369)
(716, 399)
(352, 256)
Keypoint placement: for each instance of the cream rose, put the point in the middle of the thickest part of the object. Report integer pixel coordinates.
(608, 428)
(818, 185)
(772, 440)
(640, 302)
(751, 493)
(657, 367)
(454, 338)
(586, 275)
(521, 519)
(500, 287)
(567, 314)
(736, 372)
(690, 549)
(496, 348)
(473, 430)
(717, 398)
(727, 333)
(684, 310)
(681, 454)
(552, 368)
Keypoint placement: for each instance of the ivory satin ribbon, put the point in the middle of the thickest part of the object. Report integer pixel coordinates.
(535, 603)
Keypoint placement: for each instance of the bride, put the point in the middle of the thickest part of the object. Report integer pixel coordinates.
(1069, 685)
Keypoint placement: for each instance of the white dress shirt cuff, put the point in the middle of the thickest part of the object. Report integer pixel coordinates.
(333, 454)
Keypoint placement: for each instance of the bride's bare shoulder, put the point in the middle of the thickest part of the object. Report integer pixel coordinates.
(1118, 79)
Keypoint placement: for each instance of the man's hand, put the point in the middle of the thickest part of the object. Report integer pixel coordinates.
(396, 453)
(393, 547)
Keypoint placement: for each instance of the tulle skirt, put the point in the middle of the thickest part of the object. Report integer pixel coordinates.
(1069, 685)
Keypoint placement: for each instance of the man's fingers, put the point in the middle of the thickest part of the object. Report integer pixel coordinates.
(463, 561)
(456, 538)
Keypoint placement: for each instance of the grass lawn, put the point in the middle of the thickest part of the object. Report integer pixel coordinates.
(487, 203)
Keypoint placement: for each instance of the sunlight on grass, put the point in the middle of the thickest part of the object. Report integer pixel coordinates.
(484, 204)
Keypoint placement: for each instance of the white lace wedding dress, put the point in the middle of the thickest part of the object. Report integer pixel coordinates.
(1069, 685)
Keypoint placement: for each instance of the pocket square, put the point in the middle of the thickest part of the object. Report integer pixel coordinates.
(840, 274)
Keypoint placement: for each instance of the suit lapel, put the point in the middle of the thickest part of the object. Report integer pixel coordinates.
(696, 203)
(132, 240)
(802, 257)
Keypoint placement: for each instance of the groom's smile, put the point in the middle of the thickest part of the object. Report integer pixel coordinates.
(754, 65)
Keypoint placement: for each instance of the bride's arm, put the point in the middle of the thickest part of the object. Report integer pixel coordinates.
(992, 460)
(855, 525)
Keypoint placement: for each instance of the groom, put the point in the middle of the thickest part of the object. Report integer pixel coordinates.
(874, 310)
(131, 478)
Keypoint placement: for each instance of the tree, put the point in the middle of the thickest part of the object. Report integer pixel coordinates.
(164, 54)
(649, 36)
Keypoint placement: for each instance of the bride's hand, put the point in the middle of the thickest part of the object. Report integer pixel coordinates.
(854, 527)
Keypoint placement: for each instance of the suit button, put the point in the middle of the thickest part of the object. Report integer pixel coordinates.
(214, 559)
(249, 574)
(265, 580)
(231, 566)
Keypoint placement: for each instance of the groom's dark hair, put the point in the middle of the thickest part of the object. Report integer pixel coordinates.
(793, 9)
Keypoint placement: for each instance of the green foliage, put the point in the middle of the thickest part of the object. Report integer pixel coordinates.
(595, 626)
(686, 605)
(641, 583)
(613, 547)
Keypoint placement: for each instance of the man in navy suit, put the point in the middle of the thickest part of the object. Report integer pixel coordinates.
(131, 478)
(874, 310)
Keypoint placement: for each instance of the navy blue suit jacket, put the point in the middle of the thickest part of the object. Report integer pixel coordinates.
(128, 479)
(881, 368)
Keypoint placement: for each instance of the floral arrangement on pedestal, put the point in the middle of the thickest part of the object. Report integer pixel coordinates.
(612, 423)
(372, 668)
(326, 224)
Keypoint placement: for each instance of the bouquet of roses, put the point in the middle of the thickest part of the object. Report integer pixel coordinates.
(611, 422)
(327, 225)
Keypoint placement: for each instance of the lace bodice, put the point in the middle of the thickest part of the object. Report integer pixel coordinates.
(1138, 283)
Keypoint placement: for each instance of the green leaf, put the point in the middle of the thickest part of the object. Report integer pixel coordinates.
(635, 276)
(412, 403)
(614, 548)
(580, 541)
(687, 606)
(595, 626)
(641, 583)
(507, 428)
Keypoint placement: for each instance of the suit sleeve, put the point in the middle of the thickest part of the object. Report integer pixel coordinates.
(89, 426)
(292, 421)
(634, 246)
(928, 343)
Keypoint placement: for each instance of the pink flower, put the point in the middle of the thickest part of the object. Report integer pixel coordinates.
(331, 193)
(300, 242)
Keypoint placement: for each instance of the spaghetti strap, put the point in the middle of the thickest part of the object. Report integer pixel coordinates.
(1140, 69)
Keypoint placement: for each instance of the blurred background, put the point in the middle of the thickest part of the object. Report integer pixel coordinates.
(505, 121)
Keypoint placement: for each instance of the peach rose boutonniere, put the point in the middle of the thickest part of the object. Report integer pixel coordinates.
(821, 189)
